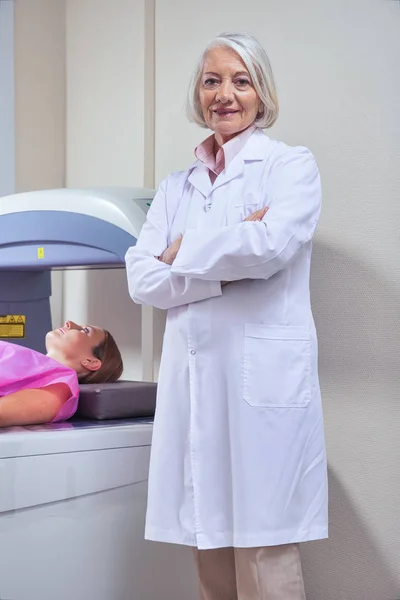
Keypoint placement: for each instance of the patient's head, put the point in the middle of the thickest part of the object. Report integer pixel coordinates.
(90, 351)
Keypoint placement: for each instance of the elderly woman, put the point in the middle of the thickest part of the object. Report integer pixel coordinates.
(238, 466)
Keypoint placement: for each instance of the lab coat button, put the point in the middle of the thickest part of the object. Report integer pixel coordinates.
(193, 352)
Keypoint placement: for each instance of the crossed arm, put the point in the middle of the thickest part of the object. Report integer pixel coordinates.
(170, 253)
(192, 268)
(148, 264)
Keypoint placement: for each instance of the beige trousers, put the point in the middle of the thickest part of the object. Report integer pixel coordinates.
(272, 573)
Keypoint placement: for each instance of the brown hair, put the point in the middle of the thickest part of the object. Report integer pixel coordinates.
(111, 362)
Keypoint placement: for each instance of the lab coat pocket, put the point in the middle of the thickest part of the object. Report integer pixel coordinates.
(277, 366)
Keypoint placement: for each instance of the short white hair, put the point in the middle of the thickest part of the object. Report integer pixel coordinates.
(257, 63)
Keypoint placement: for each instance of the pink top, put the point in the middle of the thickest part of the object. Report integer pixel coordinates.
(22, 369)
(216, 164)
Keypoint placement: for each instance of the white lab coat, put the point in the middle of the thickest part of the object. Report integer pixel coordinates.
(238, 454)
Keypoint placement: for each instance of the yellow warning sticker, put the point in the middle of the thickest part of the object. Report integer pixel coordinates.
(40, 252)
(12, 326)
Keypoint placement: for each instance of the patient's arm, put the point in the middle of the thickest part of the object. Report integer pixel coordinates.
(33, 406)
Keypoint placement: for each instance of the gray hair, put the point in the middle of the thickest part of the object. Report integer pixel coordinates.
(257, 63)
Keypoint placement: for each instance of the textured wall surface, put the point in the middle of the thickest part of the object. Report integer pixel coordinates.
(337, 68)
(105, 147)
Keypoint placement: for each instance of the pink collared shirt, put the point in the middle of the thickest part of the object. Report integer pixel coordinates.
(216, 164)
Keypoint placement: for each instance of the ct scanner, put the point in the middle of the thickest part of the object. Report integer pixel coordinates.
(73, 495)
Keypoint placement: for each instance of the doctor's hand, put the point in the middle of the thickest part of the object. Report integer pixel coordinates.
(258, 215)
(169, 255)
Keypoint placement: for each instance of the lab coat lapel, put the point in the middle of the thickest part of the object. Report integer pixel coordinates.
(200, 178)
(256, 149)
(235, 168)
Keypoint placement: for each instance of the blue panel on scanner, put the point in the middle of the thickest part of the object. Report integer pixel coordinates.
(34, 242)
(48, 239)
(39, 256)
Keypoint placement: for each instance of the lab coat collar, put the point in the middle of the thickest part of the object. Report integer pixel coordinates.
(200, 179)
(256, 149)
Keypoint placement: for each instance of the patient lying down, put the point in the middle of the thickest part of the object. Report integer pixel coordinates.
(37, 388)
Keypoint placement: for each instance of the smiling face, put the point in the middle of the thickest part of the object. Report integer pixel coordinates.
(227, 97)
(72, 345)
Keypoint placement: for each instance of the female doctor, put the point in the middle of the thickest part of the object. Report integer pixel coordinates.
(238, 465)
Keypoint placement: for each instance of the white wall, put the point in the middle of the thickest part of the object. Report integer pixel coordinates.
(39, 94)
(7, 136)
(337, 67)
(106, 146)
(39, 67)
